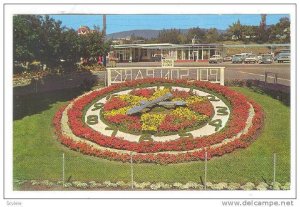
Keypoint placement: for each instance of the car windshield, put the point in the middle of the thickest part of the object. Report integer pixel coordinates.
(284, 54)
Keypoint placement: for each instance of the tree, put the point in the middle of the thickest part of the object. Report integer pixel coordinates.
(50, 41)
(197, 33)
(170, 36)
(249, 33)
(280, 32)
(43, 39)
(92, 44)
(236, 30)
(212, 36)
(26, 33)
(69, 49)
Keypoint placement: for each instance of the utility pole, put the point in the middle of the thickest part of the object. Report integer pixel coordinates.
(104, 36)
(104, 25)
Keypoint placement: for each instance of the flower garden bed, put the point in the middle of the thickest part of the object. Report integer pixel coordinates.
(158, 119)
(244, 122)
(121, 185)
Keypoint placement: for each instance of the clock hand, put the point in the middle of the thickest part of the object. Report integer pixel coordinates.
(172, 103)
(147, 104)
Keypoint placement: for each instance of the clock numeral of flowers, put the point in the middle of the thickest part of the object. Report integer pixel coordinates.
(185, 135)
(212, 98)
(216, 123)
(145, 137)
(92, 120)
(114, 133)
(97, 106)
(222, 111)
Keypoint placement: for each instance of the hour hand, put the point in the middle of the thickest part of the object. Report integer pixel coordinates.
(148, 104)
(172, 103)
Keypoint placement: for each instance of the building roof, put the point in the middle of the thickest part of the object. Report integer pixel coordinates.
(83, 29)
(163, 46)
(178, 46)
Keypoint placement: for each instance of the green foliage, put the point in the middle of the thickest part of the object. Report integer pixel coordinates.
(26, 30)
(43, 39)
(277, 33)
(280, 32)
(236, 30)
(212, 36)
(173, 36)
(91, 44)
(197, 33)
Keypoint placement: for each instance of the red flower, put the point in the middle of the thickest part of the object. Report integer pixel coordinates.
(205, 108)
(114, 103)
(145, 92)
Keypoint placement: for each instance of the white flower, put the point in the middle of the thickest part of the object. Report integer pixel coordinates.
(233, 186)
(248, 186)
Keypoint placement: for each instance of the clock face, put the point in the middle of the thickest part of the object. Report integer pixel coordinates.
(158, 114)
(159, 121)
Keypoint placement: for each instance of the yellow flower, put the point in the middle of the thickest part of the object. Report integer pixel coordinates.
(159, 93)
(114, 112)
(186, 113)
(133, 100)
(151, 121)
(193, 99)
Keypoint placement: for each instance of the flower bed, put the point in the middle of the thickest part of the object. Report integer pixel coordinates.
(187, 149)
(121, 185)
(157, 119)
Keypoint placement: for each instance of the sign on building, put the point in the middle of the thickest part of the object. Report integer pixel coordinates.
(167, 63)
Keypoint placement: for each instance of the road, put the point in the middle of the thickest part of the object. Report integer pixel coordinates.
(234, 71)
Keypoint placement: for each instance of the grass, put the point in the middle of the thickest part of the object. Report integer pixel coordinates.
(37, 154)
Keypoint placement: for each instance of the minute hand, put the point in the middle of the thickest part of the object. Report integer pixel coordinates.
(146, 104)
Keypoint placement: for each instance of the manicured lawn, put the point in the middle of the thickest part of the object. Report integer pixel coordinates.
(37, 154)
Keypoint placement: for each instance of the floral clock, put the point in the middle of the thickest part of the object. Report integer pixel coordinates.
(159, 120)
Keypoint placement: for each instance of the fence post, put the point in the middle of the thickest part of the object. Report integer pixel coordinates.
(131, 164)
(105, 78)
(63, 169)
(222, 79)
(108, 76)
(205, 170)
(274, 169)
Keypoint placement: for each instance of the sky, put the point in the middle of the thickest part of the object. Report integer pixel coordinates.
(118, 23)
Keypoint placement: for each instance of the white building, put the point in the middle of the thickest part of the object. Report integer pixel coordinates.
(178, 52)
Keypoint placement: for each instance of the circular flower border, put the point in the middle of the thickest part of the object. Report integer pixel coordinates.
(175, 151)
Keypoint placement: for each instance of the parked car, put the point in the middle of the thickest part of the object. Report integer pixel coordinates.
(251, 59)
(284, 57)
(215, 59)
(259, 57)
(227, 59)
(238, 58)
(266, 59)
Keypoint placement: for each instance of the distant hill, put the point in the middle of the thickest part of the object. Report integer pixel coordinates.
(145, 33)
